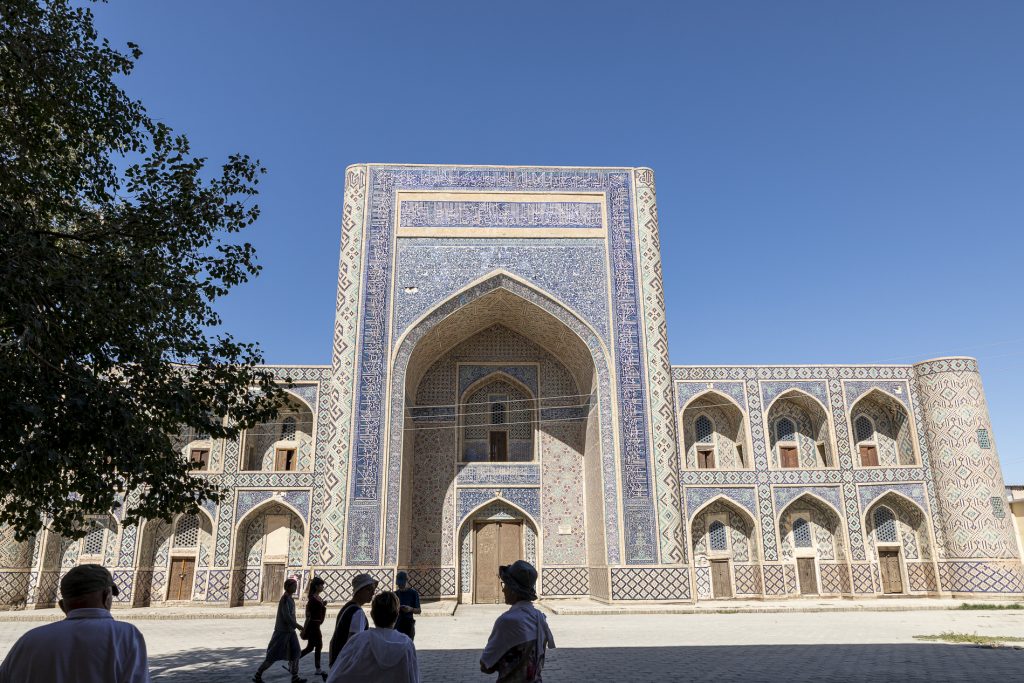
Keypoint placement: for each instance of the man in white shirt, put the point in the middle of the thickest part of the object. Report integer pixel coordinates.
(515, 650)
(382, 654)
(88, 646)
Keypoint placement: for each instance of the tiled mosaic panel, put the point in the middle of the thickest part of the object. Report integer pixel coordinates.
(835, 577)
(499, 214)
(774, 579)
(14, 588)
(702, 579)
(650, 583)
(747, 579)
(982, 577)
(433, 582)
(565, 581)
(863, 578)
(921, 576)
(338, 582)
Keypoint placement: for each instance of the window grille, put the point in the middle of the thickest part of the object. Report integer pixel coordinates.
(187, 533)
(288, 429)
(785, 430)
(704, 429)
(497, 413)
(802, 533)
(93, 543)
(885, 526)
(864, 429)
(983, 439)
(717, 536)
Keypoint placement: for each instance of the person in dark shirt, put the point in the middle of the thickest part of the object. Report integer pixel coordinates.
(316, 612)
(410, 600)
(351, 619)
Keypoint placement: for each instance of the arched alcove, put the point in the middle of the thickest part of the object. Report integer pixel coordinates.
(881, 432)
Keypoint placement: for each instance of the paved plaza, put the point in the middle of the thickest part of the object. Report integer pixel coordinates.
(830, 646)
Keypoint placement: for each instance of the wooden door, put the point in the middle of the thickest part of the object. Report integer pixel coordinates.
(273, 582)
(889, 564)
(808, 575)
(721, 581)
(868, 456)
(789, 457)
(499, 446)
(179, 583)
(496, 544)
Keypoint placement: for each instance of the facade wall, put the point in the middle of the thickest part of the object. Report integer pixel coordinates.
(544, 285)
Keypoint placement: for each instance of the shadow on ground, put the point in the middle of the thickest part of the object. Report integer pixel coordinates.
(874, 663)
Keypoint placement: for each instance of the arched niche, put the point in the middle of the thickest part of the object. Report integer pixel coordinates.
(269, 546)
(714, 433)
(798, 432)
(283, 444)
(881, 431)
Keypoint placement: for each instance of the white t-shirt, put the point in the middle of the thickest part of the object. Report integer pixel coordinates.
(86, 647)
(381, 655)
(358, 623)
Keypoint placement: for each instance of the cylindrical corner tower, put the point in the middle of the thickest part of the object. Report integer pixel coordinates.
(980, 550)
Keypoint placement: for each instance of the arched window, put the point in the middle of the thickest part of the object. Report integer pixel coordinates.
(498, 413)
(802, 533)
(186, 535)
(703, 429)
(92, 544)
(288, 429)
(864, 430)
(785, 430)
(717, 537)
(885, 526)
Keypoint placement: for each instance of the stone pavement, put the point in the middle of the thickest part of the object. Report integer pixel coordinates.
(830, 646)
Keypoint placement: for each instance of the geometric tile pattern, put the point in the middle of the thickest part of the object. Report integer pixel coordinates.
(982, 577)
(774, 579)
(748, 579)
(432, 582)
(650, 583)
(921, 576)
(835, 578)
(565, 581)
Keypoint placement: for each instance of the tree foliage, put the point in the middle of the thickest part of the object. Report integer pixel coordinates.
(115, 242)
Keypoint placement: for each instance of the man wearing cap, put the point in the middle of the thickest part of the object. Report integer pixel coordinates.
(87, 646)
(410, 601)
(351, 619)
(520, 636)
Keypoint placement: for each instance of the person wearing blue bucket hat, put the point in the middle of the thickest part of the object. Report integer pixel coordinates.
(520, 637)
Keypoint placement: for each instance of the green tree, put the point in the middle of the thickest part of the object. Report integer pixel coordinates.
(115, 242)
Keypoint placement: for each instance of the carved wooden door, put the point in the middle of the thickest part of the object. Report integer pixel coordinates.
(808, 575)
(273, 582)
(496, 544)
(889, 564)
(179, 583)
(721, 581)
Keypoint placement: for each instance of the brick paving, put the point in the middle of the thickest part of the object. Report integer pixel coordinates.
(844, 646)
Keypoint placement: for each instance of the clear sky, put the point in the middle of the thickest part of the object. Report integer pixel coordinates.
(837, 182)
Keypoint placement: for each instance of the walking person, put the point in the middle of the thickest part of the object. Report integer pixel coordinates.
(381, 654)
(521, 635)
(316, 612)
(409, 598)
(284, 644)
(351, 618)
(88, 646)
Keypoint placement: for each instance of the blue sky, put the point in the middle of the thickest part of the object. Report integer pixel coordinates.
(837, 182)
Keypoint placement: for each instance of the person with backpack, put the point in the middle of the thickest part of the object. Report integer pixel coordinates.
(381, 654)
(316, 612)
(521, 635)
(351, 619)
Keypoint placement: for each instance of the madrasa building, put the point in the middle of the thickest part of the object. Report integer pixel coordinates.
(500, 388)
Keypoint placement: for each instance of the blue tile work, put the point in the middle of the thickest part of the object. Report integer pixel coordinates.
(697, 497)
(915, 492)
(526, 499)
(784, 495)
(475, 214)
(899, 390)
(492, 474)
(772, 390)
(572, 270)
(526, 374)
(601, 364)
(688, 390)
(825, 383)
